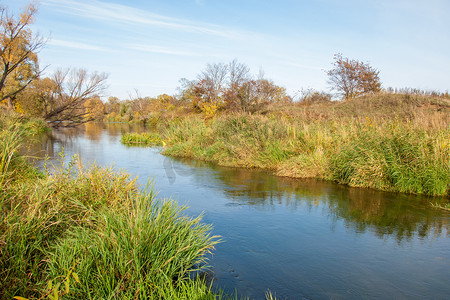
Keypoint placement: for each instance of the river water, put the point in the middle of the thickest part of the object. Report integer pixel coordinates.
(300, 239)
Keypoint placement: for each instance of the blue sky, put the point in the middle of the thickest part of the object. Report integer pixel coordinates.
(149, 45)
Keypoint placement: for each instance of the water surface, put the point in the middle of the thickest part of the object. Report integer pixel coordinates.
(301, 239)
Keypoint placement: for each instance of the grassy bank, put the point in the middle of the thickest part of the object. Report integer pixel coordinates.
(136, 139)
(389, 142)
(83, 233)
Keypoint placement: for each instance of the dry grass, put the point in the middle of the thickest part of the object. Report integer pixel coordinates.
(395, 142)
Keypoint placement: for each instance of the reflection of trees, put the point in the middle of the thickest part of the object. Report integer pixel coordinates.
(118, 129)
(52, 143)
(93, 131)
(386, 214)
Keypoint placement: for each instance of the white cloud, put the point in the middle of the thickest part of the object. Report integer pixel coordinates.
(160, 49)
(75, 45)
(126, 14)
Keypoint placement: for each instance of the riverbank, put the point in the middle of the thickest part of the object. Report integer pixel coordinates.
(82, 233)
(390, 142)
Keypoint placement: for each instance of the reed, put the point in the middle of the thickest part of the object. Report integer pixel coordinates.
(90, 232)
(144, 139)
(396, 158)
(387, 141)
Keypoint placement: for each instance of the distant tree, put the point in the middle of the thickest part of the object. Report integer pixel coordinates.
(238, 73)
(212, 81)
(351, 78)
(311, 96)
(18, 53)
(231, 86)
(164, 98)
(65, 104)
(239, 87)
(94, 109)
(113, 105)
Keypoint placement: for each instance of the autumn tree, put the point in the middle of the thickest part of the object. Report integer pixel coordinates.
(231, 86)
(18, 53)
(352, 78)
(212, 81)
(38, 97)
(311, 96)
(72, 88)
(113, 105)
(94, 109)
(238, 86)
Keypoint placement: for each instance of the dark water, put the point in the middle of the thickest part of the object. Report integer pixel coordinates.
(299, 239)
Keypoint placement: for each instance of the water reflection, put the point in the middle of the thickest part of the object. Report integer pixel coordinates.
(300, 238)
(385, 214)
(52, 143)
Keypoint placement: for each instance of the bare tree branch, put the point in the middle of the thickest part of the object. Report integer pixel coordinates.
(73, 88)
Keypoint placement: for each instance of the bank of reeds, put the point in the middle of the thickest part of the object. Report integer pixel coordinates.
(147, 139)
(389, 142)
(91, 233)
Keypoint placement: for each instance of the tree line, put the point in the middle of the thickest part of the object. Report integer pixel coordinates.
(73, 96)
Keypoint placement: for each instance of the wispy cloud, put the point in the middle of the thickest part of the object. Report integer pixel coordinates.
(75, 45)
(126, 14)
(161, 50)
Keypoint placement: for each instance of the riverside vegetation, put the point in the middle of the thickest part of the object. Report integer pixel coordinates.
(92, 233)
(82, 233)
(389, 141)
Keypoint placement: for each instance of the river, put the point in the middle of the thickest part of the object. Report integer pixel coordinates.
(300, 239)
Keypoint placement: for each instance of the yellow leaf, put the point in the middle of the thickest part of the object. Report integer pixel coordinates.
(75, 275)
(20, 298)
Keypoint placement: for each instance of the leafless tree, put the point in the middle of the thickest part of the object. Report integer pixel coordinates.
(73, 88)
(239, 73)
(213, 79)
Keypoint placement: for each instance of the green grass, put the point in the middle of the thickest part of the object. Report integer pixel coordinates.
(389, 142)
(144, 139)
(396, 158)
(122, 243)
(91, 233)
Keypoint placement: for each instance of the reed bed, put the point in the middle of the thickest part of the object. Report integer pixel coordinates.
(389, 142)
(91, 233)
(145, 139)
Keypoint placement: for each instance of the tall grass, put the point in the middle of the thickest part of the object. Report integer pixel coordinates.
(13, 130)
(396, 158)
(390, 142)
(142, 139)
(92, 233)
(11, 141)
(123, 243)
(144, 250)
(84, 233)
